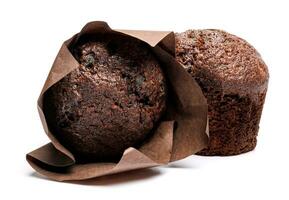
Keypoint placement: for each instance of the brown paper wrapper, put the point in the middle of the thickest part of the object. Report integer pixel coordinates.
(181, 134)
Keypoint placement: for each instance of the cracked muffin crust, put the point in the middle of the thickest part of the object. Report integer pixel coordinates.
(234, 79)
(111, 102)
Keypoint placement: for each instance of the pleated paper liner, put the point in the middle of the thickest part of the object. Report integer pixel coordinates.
(182, 132)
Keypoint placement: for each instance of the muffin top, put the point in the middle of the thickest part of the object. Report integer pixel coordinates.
(222, 56)
(111, 102)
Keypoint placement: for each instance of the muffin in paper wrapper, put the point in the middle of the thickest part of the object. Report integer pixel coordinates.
(181, 133)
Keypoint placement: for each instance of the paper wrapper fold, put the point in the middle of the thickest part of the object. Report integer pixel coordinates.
(181, 133)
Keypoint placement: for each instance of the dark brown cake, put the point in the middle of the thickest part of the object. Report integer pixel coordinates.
(111, 102)
(234, 80)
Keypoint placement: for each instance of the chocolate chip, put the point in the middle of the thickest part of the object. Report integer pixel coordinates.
(139, 80)
(63, 124)
(89, 60)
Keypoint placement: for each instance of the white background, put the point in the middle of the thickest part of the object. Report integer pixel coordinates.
(31, 35)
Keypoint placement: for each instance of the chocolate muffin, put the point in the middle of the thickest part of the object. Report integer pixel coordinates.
(111, 102)
(234, 79)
